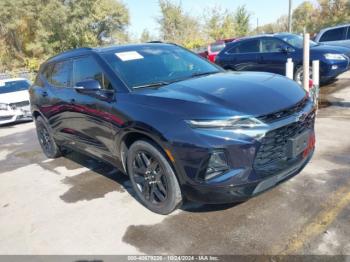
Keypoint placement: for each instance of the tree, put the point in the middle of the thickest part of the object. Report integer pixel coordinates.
(145, 36)
(304, 18)
(333, 12)
(314, 17)
(32, 30)
(177, 26)
(219, 24)
(241, 20)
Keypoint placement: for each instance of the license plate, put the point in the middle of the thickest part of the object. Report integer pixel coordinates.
(298, 144)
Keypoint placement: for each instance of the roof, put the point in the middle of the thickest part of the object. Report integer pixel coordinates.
(335, 27)
(115, 48)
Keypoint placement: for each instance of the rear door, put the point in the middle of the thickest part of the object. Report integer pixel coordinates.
(337, 36)
(272, 58)
(243, 56)
(55, 103)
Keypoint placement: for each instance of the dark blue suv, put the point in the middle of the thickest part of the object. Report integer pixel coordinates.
(269, 53)
(179, 126)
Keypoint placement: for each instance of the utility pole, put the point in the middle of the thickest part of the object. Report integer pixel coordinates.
(290, 16)
(257, 25)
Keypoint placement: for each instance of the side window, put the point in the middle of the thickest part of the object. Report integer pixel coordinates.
(87, 68)
(334, 35)
(348, 36)
(61, 74)
(270, 45)
(251, 46)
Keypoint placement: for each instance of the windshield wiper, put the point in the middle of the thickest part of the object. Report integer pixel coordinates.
(204, 73)
(155, 84)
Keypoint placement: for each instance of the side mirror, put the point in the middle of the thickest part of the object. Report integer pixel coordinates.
(286, 49)
(88, 85)
(92, 87)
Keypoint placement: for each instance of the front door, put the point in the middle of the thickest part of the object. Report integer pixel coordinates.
(91, 125)
(272, 58)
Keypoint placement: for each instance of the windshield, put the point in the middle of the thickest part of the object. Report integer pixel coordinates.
(157, 64)
(296, 41)
(13, 86)
(217, 47)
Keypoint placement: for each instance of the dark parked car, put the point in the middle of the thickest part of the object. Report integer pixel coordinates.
(269, 53)
(337, 35)
(179, 126)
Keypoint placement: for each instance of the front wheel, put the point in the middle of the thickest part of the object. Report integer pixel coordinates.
(299, 75)
(153, 178)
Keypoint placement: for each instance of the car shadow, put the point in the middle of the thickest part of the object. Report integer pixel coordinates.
(193, 207)
(14, 124)
(100, 179)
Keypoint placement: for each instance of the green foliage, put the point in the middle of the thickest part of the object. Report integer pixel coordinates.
(241, 20)
(32, 30)
(175, 25)
(219, 24)
(145, 36)
(313, 16)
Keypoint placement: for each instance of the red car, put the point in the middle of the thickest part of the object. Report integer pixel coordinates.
(215, 48)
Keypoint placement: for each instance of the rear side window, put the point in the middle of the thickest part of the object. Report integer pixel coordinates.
(217, 47)
(348, 36)
(61, 74)
(271, 45)
(337, 34)
(86, 68)
(251, 46)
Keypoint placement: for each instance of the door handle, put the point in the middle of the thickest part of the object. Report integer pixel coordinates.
(44, 94)
(72, 101)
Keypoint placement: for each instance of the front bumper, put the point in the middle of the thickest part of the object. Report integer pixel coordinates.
(14, 116)
(247, 152)
(212, 194)
(332, 69)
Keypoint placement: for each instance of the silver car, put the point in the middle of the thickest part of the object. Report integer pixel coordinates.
(338, 35)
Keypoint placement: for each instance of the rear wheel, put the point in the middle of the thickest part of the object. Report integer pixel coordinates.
(153, 178)
(46, 140)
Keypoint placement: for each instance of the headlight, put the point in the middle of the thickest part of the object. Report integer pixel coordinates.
(334, 57)
(4, 106)
(232, 123)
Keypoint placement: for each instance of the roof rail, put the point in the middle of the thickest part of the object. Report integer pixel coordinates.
(70, 51)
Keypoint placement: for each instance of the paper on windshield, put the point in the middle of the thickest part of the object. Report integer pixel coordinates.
(128, 56)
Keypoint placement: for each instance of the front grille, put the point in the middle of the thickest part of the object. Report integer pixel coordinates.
(19, 104)
(269, 118)
(272, 154)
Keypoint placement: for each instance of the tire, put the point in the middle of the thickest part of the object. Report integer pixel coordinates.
(298, 76)
(153, 179)
(46, 140)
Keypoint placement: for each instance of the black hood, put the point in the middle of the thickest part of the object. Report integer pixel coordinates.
(244, 93)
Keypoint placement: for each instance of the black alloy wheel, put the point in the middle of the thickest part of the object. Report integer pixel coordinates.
(46, 141)
(153, 178)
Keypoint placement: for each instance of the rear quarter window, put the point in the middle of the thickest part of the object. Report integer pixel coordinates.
(246, 47)
(337, 34)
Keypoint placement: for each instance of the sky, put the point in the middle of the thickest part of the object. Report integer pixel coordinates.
(143, 13)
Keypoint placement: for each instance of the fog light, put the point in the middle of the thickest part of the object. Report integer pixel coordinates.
(334, 67)
(217, 165)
